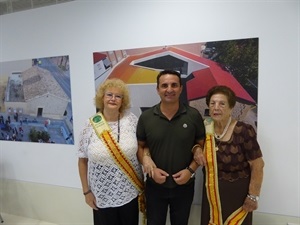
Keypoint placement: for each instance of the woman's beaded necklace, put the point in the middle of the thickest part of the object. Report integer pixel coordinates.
(218, 137)
(118, 128)
(217, 145)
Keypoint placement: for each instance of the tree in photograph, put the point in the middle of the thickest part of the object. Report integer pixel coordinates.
(38, 136)
(240, 58)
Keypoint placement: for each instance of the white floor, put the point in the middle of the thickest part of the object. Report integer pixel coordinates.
(259, 219)
(18, 220)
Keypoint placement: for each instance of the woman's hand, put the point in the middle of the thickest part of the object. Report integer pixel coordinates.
(250, 205)
(91, 200)
(199, 156)
(148, 165)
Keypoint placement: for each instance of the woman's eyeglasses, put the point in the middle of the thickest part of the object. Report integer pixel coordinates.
(110, 95)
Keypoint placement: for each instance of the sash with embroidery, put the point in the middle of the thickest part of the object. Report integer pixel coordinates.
(212, 185)
(103, 131)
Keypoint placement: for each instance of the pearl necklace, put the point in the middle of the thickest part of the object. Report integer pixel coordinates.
(218, 137)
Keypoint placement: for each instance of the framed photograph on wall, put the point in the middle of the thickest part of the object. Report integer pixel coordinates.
(36, 101)
(202, 65)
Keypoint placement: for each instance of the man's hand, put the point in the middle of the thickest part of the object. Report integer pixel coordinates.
(159, 175)
(182, 177)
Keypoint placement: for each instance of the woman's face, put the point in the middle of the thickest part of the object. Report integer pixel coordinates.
(112, 99)
(219, 109)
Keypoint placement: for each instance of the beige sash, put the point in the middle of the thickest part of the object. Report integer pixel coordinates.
(103, 131)
(212, 185)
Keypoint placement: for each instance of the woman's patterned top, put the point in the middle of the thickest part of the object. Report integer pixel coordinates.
(233, 155)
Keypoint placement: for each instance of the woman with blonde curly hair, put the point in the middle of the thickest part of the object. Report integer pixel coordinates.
(110, 173)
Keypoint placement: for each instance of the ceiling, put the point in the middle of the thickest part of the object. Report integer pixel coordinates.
(11, 6)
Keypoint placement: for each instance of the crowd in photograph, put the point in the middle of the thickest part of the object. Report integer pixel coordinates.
(11, 130)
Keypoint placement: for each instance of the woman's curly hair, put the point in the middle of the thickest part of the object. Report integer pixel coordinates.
(222, 89)
(112, 83)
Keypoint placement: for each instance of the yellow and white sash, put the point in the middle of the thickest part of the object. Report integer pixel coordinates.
(212, 185)
(103, 131)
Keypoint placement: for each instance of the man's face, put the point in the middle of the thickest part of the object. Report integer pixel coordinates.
(169, 88)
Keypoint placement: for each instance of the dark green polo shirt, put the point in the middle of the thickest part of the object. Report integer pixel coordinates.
(170, 141)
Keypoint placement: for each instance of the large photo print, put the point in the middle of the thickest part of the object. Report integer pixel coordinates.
(35, 101)
(202, 65)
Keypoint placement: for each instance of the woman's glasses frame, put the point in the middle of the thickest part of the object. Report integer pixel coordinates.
(110, 95)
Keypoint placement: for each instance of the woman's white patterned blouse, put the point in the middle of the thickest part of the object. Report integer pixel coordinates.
(109, 184)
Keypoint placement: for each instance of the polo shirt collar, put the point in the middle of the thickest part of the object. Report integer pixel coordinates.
(181, 110)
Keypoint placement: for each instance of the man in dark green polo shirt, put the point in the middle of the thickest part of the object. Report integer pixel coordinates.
(166, 135)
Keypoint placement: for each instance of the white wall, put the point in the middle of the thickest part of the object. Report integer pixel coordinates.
(79, 28)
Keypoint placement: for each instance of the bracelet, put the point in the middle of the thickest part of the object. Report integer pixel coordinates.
(253, 198)
(85, 193)
(147, 154)
(195, 146)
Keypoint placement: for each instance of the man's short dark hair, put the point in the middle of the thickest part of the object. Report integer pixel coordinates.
(164, 72)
